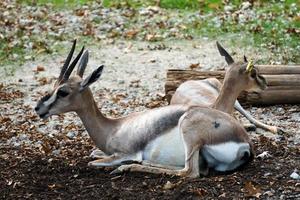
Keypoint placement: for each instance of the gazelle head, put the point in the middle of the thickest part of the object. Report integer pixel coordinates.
(69, 93)
(244, 73)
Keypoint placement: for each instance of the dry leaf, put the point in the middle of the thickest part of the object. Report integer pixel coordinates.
(1, 86)
(43, 81)
(194, 66)
(40, 68)
(51, 186)
(131, 33)
(169, 186)
(251, 190)
(200, 192)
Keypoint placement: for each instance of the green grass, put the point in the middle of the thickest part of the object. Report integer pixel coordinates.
(56, 3)
(276, 29)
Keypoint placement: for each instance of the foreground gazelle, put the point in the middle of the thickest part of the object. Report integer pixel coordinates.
(173, 136)
(210, 92)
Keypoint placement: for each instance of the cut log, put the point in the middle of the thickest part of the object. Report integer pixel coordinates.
(271, 97)
(279, 69)
(283, 84)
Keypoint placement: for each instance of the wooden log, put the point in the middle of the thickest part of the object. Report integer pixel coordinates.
(279, 69)
(283, 84)
(271, 97)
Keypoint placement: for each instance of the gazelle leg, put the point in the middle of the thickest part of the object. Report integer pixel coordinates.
(257, 123)
(145, 168)
(191, 168)
(113, 160)
(150, 164)
(192, 145)
(160, 169)
(98, 154)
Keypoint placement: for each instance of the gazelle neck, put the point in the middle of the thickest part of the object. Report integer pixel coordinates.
(98, 126)
(227, 97)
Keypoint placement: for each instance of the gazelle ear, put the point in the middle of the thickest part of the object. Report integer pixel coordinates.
(93, 77)
(83, 63)
(224, 53)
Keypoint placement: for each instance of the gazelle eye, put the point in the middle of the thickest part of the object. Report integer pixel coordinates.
(62, 93)
(253, 74)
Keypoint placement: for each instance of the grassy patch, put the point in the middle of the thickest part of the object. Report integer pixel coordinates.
(270, 25)
(56, 3)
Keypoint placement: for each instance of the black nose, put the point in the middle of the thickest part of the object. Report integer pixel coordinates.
(36, 108)
(246, 156)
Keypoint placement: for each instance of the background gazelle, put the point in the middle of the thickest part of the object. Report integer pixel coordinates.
(210, 92)
(154, 136)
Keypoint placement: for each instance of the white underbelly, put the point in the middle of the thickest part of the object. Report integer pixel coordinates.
(225, 156)
(167, 149)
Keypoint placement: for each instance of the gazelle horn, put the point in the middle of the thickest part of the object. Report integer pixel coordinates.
(249, 66)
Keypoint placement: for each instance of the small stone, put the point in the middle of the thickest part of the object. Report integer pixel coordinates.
(71, 135)
(267, 174)
(56, 152)
(282, 196)
(169, 185)
(295, 176)
(228, 8)
(121, 81)
(23, 137)
(295, 117)
(152, 60)
(269, 193)
(264, 155)
(280, 109)
(27, 57)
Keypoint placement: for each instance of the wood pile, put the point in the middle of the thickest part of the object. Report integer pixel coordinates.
(283, 84)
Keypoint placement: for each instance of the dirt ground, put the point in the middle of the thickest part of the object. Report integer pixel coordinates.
(48, 159)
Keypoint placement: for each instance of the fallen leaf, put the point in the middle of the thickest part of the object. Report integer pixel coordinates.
(113, 185)
(200, 192)
(194, 66)
(153, 37)
(131, 33)
(51, 186)
(251, 190)
(264, 155)
(10, 182)
(170, 185)
(222, 195)
(43, 81)
(40, 68)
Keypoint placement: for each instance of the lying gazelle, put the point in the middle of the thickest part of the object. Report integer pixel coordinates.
(210, 92)
(172, 136)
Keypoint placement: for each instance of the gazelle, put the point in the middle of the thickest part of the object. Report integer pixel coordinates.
(160, 139)
(210, 92)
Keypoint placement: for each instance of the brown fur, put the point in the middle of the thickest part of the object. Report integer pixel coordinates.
(124, 138)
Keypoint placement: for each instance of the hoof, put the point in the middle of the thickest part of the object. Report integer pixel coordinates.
(94, 164)
(117, 171)
(97, 154)
(280, 131)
